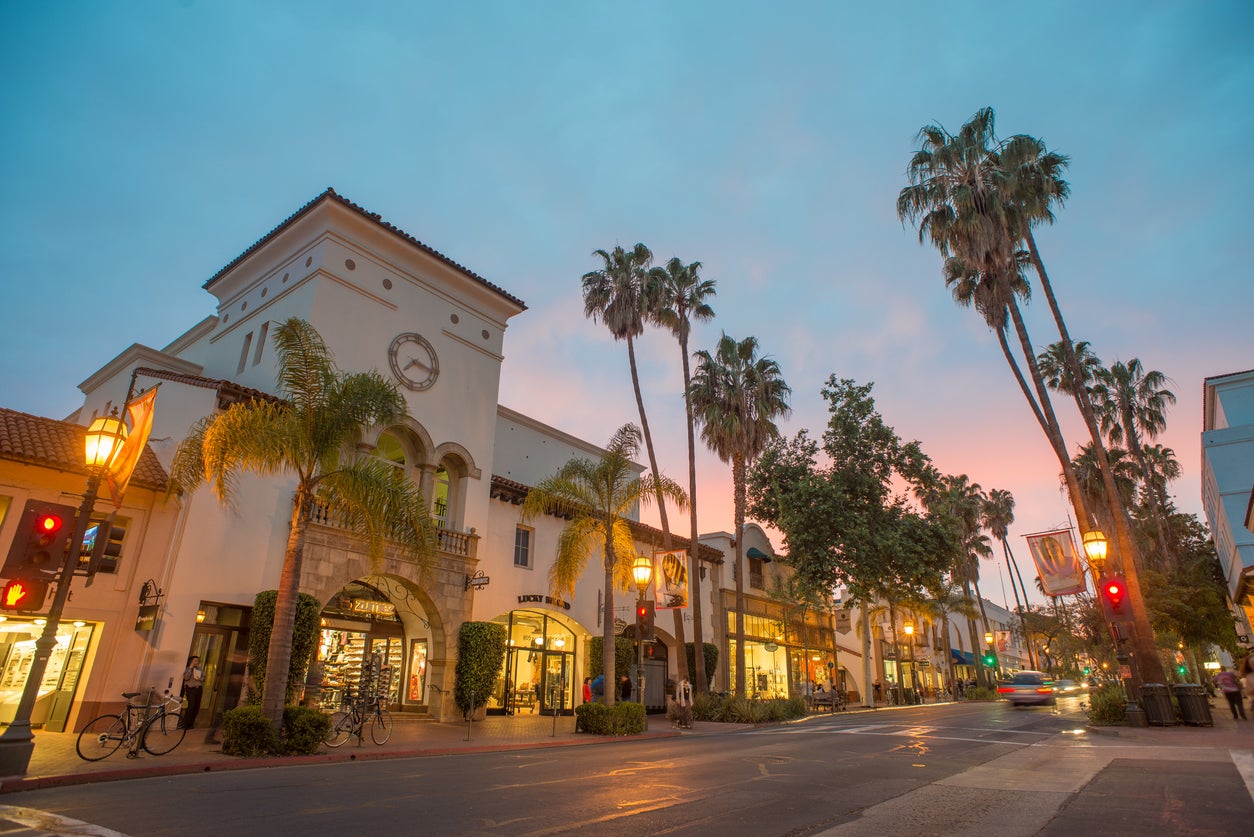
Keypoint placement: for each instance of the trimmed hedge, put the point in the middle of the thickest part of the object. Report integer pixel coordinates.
(304, 642)
(480, 655)
(711, 663)
(247, 732)
(624, 655)
(624, 718)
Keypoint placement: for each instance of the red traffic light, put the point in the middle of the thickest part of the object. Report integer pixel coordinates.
(48, 524)
(1114, 589)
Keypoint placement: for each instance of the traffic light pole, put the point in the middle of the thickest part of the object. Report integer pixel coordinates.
(18, 742)
(640, 658)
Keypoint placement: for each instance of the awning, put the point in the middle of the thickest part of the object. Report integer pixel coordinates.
(754, 552)
(962, 658)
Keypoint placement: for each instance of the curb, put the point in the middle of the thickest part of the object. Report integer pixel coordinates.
(17, 785)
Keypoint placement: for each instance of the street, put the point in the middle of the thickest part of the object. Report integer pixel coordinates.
(961, 768)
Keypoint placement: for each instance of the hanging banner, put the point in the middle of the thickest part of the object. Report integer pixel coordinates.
(670, 582)
(1056, 562)
(1002, 641)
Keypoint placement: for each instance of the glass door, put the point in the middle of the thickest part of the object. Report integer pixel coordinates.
(556, 686)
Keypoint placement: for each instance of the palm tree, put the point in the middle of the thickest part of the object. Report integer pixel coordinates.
(308, 433)
(623, 294)
(946, 598)
(998, 514)
(978, 198)
(736, 398)
(597, 498)
(1132, 406)
(684, 298)
(1057, 372)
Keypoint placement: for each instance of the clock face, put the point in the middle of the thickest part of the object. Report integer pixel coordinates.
(413, 361)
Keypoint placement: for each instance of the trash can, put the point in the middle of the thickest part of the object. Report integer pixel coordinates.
(1194, 708)
(1156, 701)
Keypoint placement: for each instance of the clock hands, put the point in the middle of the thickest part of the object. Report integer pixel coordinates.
(413, 361)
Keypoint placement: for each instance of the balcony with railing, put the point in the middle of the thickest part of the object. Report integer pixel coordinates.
(448, 541)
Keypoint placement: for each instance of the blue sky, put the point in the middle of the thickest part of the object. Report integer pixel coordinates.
(148, 144)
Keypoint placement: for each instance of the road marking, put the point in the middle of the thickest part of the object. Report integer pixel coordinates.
(1244, 761)
(45, 822)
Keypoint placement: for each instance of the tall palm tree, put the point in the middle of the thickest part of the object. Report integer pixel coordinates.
(997, 515)
(978, 198)
(308, 434)
(597, 498)
(736, 398)
(946, 598)
(623, 294)
(683, 298)
(1131, 403)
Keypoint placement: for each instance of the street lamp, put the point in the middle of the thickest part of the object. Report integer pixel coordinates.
(103, 440)
(1095, 548)
(642, 573)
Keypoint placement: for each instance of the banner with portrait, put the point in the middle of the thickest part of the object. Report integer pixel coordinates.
(670, 581)
(1001, 641)
(1057, 563)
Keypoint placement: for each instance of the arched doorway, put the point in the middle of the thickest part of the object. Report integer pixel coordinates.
(374, 637)
(542, 671)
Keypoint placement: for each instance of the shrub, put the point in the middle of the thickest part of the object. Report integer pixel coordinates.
(980, 693)
(1108, 705)
(624, 655)
(304, 642)
(304, 730)
(711, 662)
(707, 707)
(619, 719)
(246, 731)
(480, 655)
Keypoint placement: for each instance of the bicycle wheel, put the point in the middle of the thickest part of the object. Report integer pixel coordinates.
(341, 729)
(163, 733)
(381, 727)
(100, 738)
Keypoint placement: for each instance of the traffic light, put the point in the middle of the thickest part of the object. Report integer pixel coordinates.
(1087, 671)
(644, 621)
(990, 659)
(1182, 669)
(1114, 597)
(23, 594)
(102, 545)
(43, 535)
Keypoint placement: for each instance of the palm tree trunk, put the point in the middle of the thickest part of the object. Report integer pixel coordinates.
(949, 655)
(681, 661)
(608, 649)
(1150, 667)
(1019, 379)
(279, 652)
(1012, 569)
(868, 693)
(971, 634)
(694, 564)
(738, 489)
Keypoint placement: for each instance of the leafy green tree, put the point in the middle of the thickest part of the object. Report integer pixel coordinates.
(308, 433)
(842, 519)
(684, 297)
(598, 499)
(737, 396)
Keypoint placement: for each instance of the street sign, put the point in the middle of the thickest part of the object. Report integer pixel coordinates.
(924, 663)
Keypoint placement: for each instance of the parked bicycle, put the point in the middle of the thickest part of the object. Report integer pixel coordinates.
(157, 727)
(352, 719)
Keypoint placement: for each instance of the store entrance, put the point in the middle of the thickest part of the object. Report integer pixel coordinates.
(361, 648)
(540, 672)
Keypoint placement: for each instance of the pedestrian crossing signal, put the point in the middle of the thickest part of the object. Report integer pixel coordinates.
(23, 594)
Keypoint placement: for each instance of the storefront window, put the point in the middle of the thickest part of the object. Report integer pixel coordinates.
(539, 670)
(61, 676)
(361, 649)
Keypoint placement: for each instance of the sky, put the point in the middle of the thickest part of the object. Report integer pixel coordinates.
(145, 145)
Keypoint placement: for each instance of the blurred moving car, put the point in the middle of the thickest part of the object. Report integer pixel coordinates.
(1029, 688)
(1069, 687)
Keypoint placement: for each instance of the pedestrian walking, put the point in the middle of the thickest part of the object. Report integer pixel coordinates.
(1247, 679)
(683, 703)
(1230, 685)
(193, 690)
(879, 690)
(624, 689)
(587, 690)
(598, 688)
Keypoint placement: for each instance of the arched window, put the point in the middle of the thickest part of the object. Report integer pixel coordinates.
(389, 449)
(443, 500)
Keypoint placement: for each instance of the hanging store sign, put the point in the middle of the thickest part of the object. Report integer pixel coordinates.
(1056, 562)
(147, 618)
(670, 582)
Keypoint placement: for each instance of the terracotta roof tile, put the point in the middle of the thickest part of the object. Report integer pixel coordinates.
(50, 443)
(331, 194)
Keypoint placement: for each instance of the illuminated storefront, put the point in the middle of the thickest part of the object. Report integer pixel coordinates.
(358, 624)
(540, 672)
(61, 677)
(780, 654)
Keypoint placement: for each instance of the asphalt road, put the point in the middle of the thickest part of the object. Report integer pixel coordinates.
(965, 768)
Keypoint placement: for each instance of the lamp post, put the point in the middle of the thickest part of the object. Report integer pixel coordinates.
(988, 645)
(642, 574)
(1095, 547)
(914, 677)
(104, 439)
